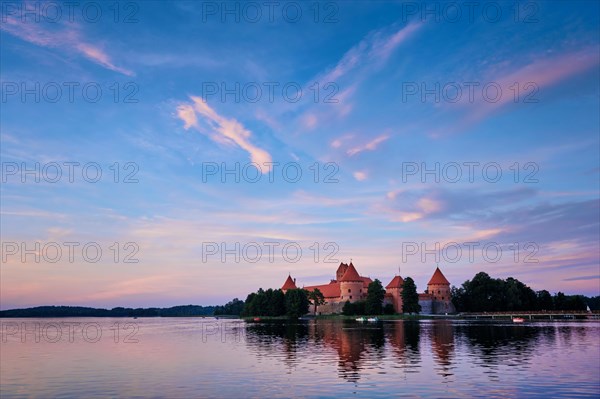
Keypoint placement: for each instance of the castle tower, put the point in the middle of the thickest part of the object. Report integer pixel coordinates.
(289, 284)
(439, 289)
(340, 271)
(394, 288)
(351, 285)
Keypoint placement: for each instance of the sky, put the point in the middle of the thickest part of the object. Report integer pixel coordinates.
(160, 154)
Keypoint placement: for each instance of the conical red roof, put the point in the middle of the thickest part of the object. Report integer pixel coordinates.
(289, 284)
(396, 282)
(438, 278)
(351, 274)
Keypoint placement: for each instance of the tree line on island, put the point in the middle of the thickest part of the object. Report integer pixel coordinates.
(481, 294)
(486, 294)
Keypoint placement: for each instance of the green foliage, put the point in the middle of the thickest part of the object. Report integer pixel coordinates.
(569, 302)
(348, 309)
(277, 303)
(233, 307)
(593, 302)
(296, 303)
(410, 298)
(354, 308)
(317, 298)
(388, 309)
(375, 295)
(544, 300)
(486, 294)
(264, 303)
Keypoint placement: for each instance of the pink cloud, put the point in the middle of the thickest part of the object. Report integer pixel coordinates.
(360, 175)
(67, 39)
(541, 73)
(370, 146)
(223, 130)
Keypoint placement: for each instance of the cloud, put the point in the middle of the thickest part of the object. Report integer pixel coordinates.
(383, 48)
(309, 121)
(222, 130)
(376, 47)
(580, 278)
(531, 78)
(435, 203)
(186, 113)
(360, 175)
(370, 146)
(66, 39)
(100, 57)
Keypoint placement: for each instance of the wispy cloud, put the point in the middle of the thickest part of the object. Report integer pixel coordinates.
(67, 39)
(370, 146)
(222, 130)
(531, 78)
(596, 277)
(543, 73)
(376, 47)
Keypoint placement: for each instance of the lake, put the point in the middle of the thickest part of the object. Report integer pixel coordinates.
(194, 357)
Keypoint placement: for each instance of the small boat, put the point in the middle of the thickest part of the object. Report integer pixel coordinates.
(518, 320)
(362, 319)
(257, 319)
(373, 319)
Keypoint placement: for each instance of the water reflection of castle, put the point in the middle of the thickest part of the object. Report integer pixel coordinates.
(348, 285)
(406, 345)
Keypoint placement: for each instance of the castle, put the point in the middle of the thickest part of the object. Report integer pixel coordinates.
(348, 285)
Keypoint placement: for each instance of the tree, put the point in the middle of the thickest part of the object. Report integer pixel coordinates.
(594, 302)
(249, 306)
(375, 295)
(576, 302)
(233, 307)
(544, 300)
(317, 298)
(560, 301)
(517, 296)
(348, 309)
(296, 303)
(410, 298)
(277, 303)
(458, 298)
(388, 309)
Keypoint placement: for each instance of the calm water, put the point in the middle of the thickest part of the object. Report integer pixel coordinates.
(189, 358)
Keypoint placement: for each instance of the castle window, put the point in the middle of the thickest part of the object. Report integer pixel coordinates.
(439, 292)
(350, 296)
(442, 298)
(348, 289)
(360, 290)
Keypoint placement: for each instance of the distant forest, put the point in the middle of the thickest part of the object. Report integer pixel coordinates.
(78, 311)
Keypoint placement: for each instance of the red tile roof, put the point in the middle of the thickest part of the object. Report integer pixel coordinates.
(351, 274)
(438, 278)
(331, 290)
(342, 268)
(396, 282)
(289, 284)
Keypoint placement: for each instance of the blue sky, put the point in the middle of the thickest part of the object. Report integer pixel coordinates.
(387, 75)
